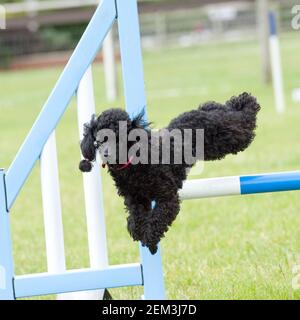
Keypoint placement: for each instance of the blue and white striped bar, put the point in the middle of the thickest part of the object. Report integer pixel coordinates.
(240, 185)
(276, 64)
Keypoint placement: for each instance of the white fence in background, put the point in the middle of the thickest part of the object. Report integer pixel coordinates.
(213, 22)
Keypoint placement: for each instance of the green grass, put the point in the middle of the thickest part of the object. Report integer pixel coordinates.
(225, 248)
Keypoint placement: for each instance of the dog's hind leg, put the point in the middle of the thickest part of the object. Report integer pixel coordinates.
(227, 128)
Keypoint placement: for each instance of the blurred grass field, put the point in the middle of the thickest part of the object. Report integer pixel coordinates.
(225, 248)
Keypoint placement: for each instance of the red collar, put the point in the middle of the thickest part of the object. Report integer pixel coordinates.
(127, 164)
(124, 166)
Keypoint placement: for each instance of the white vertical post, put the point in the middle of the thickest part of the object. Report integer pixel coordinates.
(110, 70)
(93, 200)
(32, 9)
(92, 187)
(276, 64)
(263, 33)
(52, 208)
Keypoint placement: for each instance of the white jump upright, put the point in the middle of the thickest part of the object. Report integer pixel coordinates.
(110, 70)
(92, 188)
(276, 64)
(93, 200)
(53, 226)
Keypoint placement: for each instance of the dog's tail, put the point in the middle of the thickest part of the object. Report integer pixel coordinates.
(227, 128)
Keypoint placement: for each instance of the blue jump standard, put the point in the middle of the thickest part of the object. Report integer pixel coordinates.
(272, 23)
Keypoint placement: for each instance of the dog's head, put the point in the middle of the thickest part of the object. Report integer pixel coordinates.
(99, 130)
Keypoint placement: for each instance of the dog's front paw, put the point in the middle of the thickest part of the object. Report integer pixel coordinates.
(153, 248)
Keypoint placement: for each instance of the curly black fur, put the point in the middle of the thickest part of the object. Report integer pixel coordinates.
(228, 129)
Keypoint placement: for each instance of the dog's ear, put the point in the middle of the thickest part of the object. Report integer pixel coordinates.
(87, 146)
(139, 121)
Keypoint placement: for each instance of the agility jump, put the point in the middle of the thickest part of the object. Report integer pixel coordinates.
(148, 272)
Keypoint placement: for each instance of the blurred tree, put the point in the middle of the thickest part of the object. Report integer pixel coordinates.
(6, 1)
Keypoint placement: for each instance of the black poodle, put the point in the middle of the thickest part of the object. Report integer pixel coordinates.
(151, 190)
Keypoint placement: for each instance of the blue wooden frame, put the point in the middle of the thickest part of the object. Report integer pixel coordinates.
(135, 100)
(78, 280)
(149, 272)
(6, 258)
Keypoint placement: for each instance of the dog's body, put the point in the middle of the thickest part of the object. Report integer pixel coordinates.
(151, 190)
